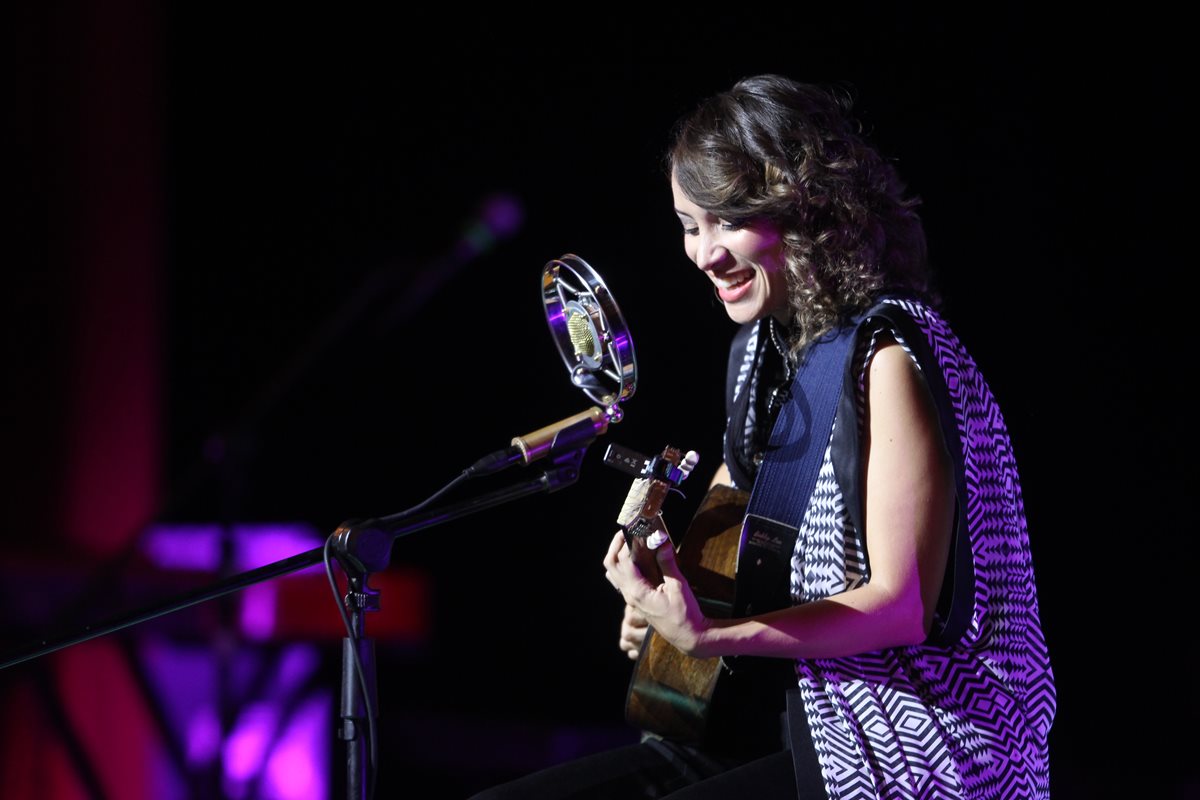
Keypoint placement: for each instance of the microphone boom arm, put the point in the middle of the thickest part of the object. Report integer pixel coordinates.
(367, 544)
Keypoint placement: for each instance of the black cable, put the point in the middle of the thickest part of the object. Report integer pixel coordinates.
(358, 668)
(466, 473)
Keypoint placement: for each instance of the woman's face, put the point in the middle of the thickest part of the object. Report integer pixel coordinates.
(745, 261)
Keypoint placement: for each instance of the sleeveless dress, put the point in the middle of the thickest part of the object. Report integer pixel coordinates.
(966, 714)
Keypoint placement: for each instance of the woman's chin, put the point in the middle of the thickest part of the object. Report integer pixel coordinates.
(743, 313)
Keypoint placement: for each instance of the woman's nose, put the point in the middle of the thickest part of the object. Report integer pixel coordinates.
(710, 251)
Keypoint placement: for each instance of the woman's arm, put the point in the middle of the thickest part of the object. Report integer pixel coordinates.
(722, 477)
(908, 519)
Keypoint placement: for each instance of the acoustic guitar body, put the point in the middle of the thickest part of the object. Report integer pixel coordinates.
(670, 694)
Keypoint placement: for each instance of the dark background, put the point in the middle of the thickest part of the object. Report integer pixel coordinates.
(304, 153)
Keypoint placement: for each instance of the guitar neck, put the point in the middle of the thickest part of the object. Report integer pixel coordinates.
(639, 515)
(640, 512)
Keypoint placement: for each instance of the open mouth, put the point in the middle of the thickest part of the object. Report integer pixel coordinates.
(732, 282)
(733, 287)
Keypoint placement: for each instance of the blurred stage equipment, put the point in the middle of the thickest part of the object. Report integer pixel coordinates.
(591, 336)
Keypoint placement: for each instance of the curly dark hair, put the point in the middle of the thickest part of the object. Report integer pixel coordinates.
(772, 148)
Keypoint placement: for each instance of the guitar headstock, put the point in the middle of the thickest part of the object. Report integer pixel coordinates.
(656, 477)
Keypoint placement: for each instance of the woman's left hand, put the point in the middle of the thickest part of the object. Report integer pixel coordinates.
(670, 607)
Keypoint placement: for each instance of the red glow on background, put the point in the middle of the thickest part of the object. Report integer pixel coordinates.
(115, 255)
(107, 711)
(100, 109)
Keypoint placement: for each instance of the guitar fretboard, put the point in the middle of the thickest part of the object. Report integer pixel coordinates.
(635, 501)
(646, 495)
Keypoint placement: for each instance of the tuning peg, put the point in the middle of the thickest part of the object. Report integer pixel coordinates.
(690, 459)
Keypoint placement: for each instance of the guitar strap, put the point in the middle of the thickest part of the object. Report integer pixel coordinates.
(788, 472)
(749, 713)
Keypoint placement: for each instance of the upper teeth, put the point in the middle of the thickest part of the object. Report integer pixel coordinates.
(729, 283)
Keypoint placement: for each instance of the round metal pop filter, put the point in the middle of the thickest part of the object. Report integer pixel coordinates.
(589, 332)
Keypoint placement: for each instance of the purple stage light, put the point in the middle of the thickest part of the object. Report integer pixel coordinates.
(279, 742)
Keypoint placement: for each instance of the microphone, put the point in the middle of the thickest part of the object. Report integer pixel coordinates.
(554, 439)
(590, 335)
(581, 334)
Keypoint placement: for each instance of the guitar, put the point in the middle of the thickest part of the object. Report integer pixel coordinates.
(670, 693)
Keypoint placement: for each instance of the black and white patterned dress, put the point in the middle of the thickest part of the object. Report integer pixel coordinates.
(967, 714)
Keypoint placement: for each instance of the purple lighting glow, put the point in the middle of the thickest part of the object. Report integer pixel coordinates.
(203, 738)
(280, 721)
(283, 719)
(258, 545)
(198, 546)
(191, 547)
(279, 744)
(500, 216)
(292, 772)
(245, 749)
(258, 611)
(280, 741)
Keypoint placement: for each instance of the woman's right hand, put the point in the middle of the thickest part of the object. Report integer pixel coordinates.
(633, 632)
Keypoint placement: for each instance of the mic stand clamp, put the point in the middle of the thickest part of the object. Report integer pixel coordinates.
(363, 546)
(567, 456)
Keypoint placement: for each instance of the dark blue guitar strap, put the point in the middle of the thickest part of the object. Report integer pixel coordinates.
(788, 473)
(758, 694)
(796, 449)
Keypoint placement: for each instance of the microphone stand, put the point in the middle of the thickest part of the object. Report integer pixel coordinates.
(362, 548)
(365, 547)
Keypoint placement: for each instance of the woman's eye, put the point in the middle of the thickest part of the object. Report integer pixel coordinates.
(725, 225)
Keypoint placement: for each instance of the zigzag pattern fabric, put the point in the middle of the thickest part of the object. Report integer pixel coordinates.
(924, 722)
